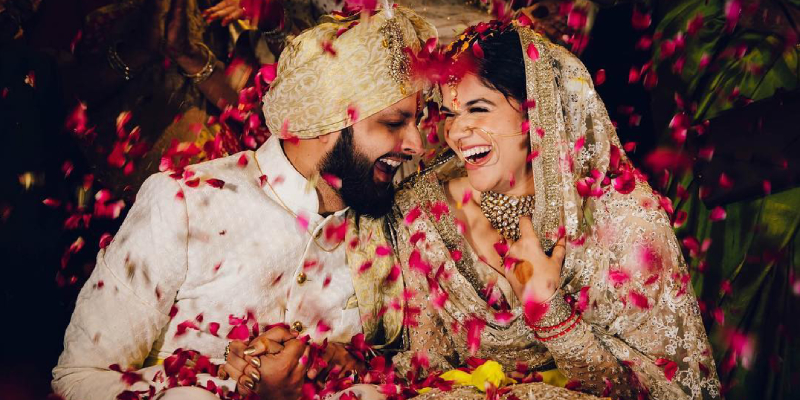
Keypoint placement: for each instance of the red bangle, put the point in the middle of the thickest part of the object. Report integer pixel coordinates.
(558, 335)
(554, 327)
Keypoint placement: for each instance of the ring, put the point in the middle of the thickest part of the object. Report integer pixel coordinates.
(227, 351)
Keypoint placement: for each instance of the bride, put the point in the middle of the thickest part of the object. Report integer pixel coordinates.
(547, 247)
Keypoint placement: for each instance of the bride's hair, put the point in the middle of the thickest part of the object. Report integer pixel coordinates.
(502, 67)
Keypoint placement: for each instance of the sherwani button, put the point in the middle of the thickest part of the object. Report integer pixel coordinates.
(301, 278)
(297, 326)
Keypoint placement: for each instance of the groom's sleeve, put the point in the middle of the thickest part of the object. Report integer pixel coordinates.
(124, 306)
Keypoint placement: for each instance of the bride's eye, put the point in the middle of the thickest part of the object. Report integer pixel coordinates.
(478, 110)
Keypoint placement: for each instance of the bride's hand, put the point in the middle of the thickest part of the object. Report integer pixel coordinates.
(533, 269)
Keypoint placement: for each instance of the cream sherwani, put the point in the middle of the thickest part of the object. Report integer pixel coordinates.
(210, 251)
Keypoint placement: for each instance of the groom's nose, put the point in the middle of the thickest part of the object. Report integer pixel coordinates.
(411, 142)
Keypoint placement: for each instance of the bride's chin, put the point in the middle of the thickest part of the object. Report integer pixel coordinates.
(479, 182)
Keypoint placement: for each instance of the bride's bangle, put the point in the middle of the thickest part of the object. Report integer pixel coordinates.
(207, 70)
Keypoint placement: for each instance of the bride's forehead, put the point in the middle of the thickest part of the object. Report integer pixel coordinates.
(470, 85)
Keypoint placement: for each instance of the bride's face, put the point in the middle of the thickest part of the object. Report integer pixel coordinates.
(480, 115)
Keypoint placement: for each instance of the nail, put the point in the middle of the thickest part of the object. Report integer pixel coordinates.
(256, 377)
(249, 384)
(222, 374)
(249, 351)
(256, 362)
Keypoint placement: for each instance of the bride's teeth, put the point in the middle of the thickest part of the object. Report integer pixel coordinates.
(476, 150)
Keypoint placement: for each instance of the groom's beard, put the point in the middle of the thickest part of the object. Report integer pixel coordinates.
(359, 190)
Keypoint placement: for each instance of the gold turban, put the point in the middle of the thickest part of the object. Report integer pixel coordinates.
(343, 71)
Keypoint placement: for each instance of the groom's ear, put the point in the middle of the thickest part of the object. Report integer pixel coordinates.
(329, 138)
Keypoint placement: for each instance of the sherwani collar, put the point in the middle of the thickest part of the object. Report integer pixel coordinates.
(292, 187)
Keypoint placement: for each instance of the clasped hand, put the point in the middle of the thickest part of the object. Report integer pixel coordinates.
(274, 365)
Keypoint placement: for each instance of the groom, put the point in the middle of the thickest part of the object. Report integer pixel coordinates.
(262, 237)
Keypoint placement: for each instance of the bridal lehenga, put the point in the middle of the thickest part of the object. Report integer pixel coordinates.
(640, 329)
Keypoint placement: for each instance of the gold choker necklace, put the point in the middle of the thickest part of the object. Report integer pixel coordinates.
(503, 212)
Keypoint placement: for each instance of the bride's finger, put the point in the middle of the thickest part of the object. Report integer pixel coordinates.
(559, 251)
(527, 232)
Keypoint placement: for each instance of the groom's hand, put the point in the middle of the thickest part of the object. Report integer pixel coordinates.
(280, 376)
(241, 354)
(338, 361)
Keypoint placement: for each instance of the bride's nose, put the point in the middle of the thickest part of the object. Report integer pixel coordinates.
(459, 129)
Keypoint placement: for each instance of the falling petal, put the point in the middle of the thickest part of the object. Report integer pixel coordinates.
(438, 209)
(412, 215)
(474, 328)
(302, 221)
(640, 21)
(242, 162)
(670, 367)
(633, 75)
(638, 300)
(600, 77)
(680, 219)
(618, 277)
(583, 299)
(477, 51)
(717, 214)
(269, 72)
(694, 25)
(352, 113)
(509, 262)
(532, 52)
(30, 79)
(416, 237)
(322, 327)
(105, 240)
(239, 332)
(383, 251)
(644, 42)
(366, 266)
(332, 180)
(327, 47)
(579, 143)
(501, 248)
(733, 9)
(534, 311)
(52, 203)
(503, 317)
(725, 182)
(217, 183)
(625, 182)
(525, 126)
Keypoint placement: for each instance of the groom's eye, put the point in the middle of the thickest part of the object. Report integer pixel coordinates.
(394, 124)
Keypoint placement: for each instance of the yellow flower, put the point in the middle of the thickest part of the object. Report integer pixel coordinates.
(490, 372)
